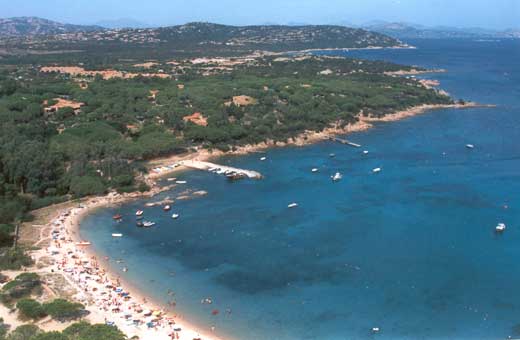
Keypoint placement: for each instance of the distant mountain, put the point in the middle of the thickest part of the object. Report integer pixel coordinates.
(412, 31)
(32, 26)
(122, 23)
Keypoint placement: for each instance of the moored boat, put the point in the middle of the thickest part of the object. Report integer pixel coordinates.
(148, 224)
(117, 217)
(315, 170)
(292, 205)
(470, 146)
(117, 235)
(501, 227)
(337, 177)
(139, 213)
(175, 216)
(181, 182)
(83, 243)
(376, 170)
(167, 207)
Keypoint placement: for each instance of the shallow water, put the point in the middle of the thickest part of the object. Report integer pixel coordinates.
(411, 250)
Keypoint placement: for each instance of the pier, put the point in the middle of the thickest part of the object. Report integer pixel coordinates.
(344, 141)
(220, 169)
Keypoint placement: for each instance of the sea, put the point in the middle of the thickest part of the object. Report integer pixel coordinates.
(411, 250)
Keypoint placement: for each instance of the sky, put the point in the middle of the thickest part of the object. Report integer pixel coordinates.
(496, 14)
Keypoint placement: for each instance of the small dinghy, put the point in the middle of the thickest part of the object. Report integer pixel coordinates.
(148, 224)
(332, 155)
(139, 213)
(470, 146)
(181, 182)
(376, 170)
(337, 177)
(166, 208)
(365, 152)
(501, 227)
(263, 158)
(315, 170)
(175, 216)
(117, 217)
(292, 205)
(117, 235)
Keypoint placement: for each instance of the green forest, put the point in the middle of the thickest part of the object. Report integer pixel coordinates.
(48, 157)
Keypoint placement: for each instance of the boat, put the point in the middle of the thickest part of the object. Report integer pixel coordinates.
(117, 235)
(292, 205)
(117, 217)
(470, 146)
(148, 224)
(263, 158)
(171, 179)
(337, 176)
(332, 155)
(500, 227)
(150, 204)
(376, 170)
(83, 243)
(375, 330)
(139, 213)
(236, 175)
(175, 216)
(181, 182)
(314, 170)
(365, 152)
(166, 208)
(139, 224)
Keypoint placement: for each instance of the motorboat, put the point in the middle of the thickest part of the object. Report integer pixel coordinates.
(376, 170)
(501, 227)
(117, 217)
(292, 205)
(337, 177)
(181, 182)
(263, 158)
(148, 224)
(175, 216)
(365, 152)
(315, 170)
(166, 207)
(117, 235)
(139, 213)
(470, 146)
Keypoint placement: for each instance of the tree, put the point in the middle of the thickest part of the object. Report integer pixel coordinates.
(87, 185)
(85, 331)
(30, 309)
(24, 332)
(61, 309)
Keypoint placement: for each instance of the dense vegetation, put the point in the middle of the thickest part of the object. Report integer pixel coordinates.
(47, 157)
(77, 331)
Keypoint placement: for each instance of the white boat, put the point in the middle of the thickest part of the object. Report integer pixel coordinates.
(167, 207)
(263, 158)
(148, 224)
(332, 155)
(337, 176)
(376, 170)
(139, 213)
(470, 146)
(181, 182)
(365, 152)
(375, 330)
(292, 205)
(171, 179)
(175, 216)
(83, 243)
(151, 204)
(315, 170)
(500, 227)
(117, 235)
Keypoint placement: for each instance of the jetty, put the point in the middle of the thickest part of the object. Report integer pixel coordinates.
(344, 141)
(220, 169)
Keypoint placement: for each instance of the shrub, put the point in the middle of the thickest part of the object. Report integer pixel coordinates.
(23, 285)
(51, 336)
(30, 309)
(87, 185)
(24, 332)
(14, 259)
(61, 309)
(86, 331)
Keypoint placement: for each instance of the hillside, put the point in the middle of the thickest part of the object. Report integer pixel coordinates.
(412, 31)
(32, 26)
(202, 39)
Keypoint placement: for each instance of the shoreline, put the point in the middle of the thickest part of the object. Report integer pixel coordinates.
(91, 293)
(69, 227)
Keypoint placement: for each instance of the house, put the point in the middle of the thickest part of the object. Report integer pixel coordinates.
(196, 118)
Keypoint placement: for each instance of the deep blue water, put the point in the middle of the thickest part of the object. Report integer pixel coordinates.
(411, 250)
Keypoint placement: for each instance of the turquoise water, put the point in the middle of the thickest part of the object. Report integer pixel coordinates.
(411, 250)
